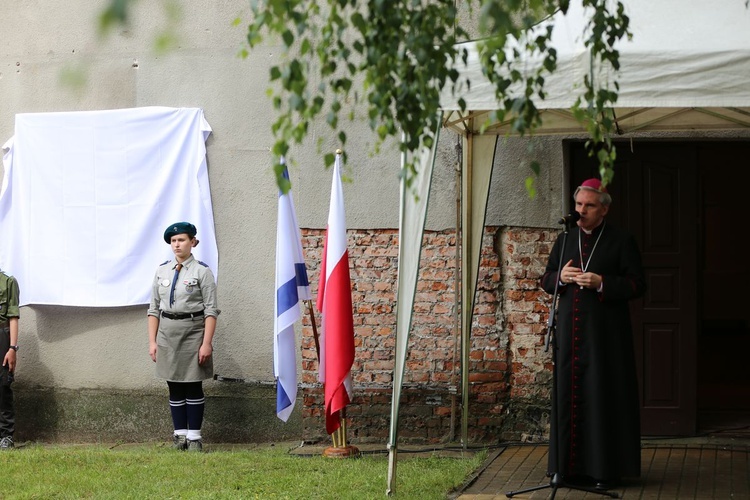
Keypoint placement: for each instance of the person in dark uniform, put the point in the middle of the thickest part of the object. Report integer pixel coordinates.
(597, 415)
(9, 314)
(181, 325)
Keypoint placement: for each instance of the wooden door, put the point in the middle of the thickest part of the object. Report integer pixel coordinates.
(655, 197)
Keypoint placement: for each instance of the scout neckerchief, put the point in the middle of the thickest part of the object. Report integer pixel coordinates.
(174, 282)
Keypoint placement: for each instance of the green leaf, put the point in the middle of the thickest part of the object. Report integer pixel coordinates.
(530, 187)
(535, 167)
(288, 38)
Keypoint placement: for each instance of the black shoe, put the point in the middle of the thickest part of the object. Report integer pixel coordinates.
(578, 480)
(606, 484)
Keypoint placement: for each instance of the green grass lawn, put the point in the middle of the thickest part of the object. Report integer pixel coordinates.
(155, 471)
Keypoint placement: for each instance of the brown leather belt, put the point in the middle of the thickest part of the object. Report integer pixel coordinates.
(182, 315)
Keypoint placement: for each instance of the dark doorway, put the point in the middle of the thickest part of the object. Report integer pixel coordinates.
(724, 334)
(682, 201)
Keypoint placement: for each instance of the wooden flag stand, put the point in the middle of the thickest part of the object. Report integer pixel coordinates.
(340, 449)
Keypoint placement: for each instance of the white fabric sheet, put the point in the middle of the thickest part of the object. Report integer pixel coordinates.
(86, 198)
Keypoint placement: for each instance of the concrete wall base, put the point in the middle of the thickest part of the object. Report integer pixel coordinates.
(235, 413)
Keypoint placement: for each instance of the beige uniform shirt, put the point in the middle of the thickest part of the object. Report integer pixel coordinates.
(195, 289)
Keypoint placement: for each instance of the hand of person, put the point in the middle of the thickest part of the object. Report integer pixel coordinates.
(588, 280)
(204, 353)
(569, 272)
(152, 351)
(10, 360)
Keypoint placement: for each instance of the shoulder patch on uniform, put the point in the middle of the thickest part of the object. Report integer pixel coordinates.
(165, 262)
(202, 263)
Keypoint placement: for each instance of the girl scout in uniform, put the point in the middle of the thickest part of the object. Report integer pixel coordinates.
(181, 324)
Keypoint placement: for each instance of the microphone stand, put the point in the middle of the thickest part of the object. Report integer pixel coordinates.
(557, 480)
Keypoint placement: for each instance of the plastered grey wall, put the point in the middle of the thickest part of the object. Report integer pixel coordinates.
(45, 44)
(43, 41)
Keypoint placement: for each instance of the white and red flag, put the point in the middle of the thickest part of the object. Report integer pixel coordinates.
(335, 305)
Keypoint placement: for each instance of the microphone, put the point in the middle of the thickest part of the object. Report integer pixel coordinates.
(571, 218)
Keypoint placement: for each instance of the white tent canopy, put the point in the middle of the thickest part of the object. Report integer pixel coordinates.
(686, 68)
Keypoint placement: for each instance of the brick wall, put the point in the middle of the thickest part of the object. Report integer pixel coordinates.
(510, 373)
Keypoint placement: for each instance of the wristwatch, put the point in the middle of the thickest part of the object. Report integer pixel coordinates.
(14, 347)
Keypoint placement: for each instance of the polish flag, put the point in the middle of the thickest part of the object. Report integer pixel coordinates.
(335, 305)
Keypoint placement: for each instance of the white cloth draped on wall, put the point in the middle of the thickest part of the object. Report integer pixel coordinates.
(86, 197)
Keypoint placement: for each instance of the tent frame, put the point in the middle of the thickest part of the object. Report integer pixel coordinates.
(679, 82)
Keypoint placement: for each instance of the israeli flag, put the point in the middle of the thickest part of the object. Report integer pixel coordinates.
(292, 287)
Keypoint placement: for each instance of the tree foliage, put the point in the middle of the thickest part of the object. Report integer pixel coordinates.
(402, 53)
(392, 58)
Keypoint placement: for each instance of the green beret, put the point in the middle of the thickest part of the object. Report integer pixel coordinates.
(179, 228)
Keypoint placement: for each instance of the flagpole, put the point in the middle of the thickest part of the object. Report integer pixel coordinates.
(314, 328)
(338, 321)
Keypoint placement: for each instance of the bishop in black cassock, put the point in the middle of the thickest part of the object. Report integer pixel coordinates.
(596, 417)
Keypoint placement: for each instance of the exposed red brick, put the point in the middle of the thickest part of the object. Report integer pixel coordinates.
(508, 368)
